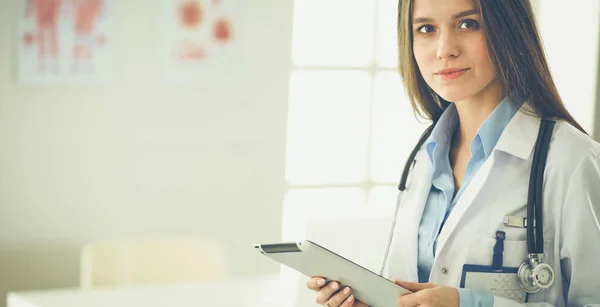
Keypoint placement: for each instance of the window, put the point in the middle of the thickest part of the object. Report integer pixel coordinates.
(350, 125)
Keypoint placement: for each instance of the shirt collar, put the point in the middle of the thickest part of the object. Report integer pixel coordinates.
(438, 143)
(488, 134)
(493, 126)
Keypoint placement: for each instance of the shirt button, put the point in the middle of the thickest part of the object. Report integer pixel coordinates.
(444, 271)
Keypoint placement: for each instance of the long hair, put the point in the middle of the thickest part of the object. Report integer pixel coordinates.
(516, 51)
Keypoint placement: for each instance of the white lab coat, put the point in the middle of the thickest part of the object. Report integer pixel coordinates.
(571, 209)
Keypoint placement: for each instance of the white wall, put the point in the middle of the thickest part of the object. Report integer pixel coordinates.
(570, 35)
(137, 156)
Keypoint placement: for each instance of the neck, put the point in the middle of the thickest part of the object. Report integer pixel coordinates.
(473, 111)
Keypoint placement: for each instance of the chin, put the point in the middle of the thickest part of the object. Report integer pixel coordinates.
(454, 95)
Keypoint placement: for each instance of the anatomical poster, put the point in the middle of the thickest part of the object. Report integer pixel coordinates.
(63, 41)
(200, 39)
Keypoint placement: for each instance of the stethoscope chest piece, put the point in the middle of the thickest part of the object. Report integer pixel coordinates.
(533, 280)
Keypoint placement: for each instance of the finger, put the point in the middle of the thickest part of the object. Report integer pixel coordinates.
(408, 300)
(349, 302)
(315, 283)
(325, 293)
(413, 286)
(341, 297)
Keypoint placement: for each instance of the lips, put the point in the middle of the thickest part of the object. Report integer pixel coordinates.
(451, 73)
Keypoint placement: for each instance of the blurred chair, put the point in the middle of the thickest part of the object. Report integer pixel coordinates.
(151, 261)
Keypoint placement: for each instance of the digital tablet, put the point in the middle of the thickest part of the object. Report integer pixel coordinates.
(312, 259)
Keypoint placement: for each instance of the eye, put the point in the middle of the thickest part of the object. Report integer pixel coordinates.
(425, 29)
(469, 24)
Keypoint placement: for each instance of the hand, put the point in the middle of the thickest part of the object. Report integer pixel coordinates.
(427, 294)
(332, 294)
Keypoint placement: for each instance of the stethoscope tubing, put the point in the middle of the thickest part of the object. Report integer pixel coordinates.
(535, 236)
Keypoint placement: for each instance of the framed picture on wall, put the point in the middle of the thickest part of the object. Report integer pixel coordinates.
(200, 39)
(63, 41)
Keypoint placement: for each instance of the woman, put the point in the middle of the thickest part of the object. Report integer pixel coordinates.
(477, 69)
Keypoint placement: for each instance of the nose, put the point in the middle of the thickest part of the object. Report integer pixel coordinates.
(447, 46)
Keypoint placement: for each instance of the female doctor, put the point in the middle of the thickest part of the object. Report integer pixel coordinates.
(476, 69)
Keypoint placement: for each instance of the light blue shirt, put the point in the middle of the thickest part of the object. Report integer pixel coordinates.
(440, 201)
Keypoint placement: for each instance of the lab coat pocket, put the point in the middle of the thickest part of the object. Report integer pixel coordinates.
(481, 251)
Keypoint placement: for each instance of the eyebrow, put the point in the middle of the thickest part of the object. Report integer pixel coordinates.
(459, 15)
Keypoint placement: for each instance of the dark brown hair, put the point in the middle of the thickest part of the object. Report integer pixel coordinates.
(516, 51)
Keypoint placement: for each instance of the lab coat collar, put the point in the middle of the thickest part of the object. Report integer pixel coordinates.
(519, 136)
(518, 139)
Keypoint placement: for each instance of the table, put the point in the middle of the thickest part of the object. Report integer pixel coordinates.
(264, 291)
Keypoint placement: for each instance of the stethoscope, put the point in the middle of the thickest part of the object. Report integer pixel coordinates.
(533, 275)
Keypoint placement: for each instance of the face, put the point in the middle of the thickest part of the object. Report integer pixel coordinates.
(450, 49)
